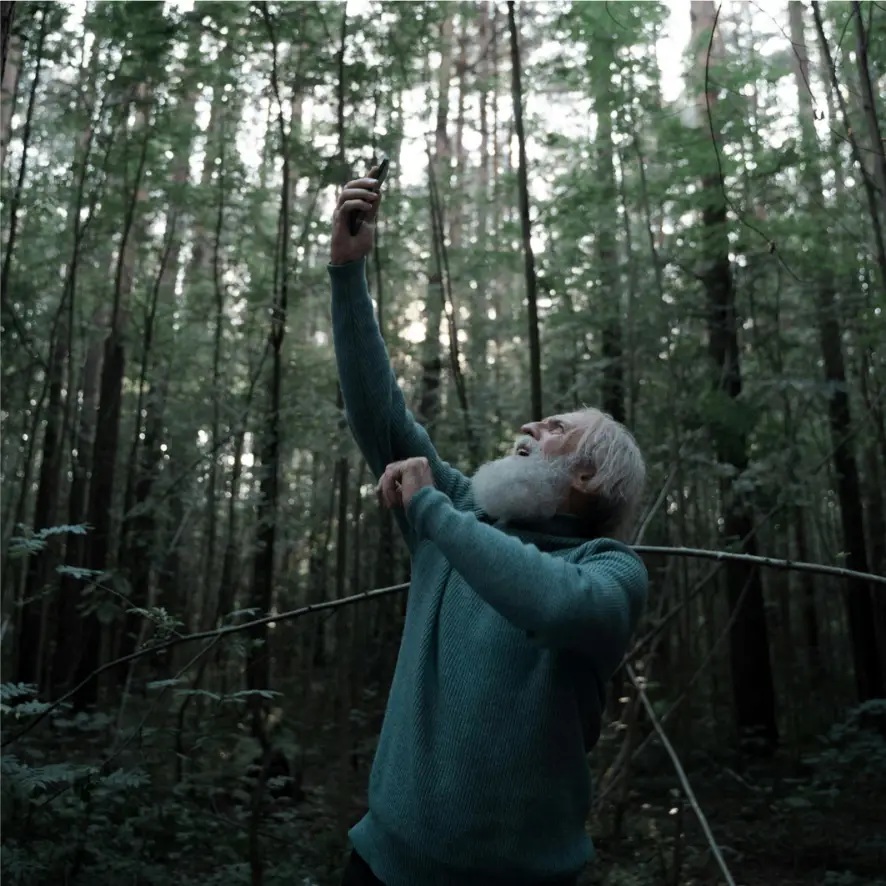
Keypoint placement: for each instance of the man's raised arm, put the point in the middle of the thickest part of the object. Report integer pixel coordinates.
(383, 427)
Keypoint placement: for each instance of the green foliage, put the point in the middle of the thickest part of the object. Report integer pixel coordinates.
(91, 820)
(856, 746)
(162, 117)
(30, 542)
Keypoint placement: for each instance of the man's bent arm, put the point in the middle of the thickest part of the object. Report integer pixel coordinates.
(383, 427)
(590, 607)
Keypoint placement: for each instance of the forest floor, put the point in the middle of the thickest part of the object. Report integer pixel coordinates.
(772, 826)
(70, 818)
(763, 841)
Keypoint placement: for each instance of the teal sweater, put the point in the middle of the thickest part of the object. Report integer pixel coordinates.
(511, 633)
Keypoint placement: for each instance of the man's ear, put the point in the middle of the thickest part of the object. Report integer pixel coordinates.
(583, 481)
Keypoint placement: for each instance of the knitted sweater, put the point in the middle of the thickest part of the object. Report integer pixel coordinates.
(511, 633)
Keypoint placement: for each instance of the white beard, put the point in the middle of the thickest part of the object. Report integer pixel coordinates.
(521, 487)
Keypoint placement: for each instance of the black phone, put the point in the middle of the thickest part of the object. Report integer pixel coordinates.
(356, 218)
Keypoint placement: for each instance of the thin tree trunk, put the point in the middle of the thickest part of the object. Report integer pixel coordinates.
(101, 492)
(874, 203)
(69, 622)
(139, 531)
(479, 306)
(877, 146)
(15, 202)
(448, 307)
(34, 613)
(342, 465)
(859, 604)
(525, 223)
(440, 172)
(7, 17)
(29, 665)
(215, 163)
(613, 387)
(258, 663)
(9, 90)
(752, 680)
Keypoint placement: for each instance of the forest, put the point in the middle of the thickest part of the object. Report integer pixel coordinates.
(673, 211)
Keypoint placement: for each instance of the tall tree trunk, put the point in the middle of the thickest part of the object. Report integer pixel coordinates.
(525, 223)
(69, 621)
(342, 465)
(227, 580)
(440, 171)
(875, 468)
(139, 531)
(613, 391)
(222, 115)
(31, 634)
(752, 681)
(877, 145)
(15, 201)
(859, 604)
(874, 201)
(258, 662)
(7, 17)
(101, 489)
(481, 302)
(9, 90)
(28, 636)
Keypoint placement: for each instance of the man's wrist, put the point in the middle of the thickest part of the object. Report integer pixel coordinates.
(343, 261)
(347, 276)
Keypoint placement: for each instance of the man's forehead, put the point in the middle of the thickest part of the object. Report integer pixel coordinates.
(580, 420)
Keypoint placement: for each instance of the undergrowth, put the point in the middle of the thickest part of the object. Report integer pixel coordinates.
(83, 803)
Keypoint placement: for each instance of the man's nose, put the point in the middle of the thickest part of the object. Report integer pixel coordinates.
(531, 429)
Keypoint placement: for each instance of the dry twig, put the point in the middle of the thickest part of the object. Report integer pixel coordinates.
(376, 593)
(681, 775)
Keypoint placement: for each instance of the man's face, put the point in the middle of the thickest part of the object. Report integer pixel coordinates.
(558, 435)
(535, 481)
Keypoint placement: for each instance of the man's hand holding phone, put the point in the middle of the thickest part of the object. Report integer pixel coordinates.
(356, 211)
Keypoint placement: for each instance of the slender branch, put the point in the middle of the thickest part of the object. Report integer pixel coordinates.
(631, 754)
(376, 593)
(681, 774)
(771, 562)
(220, 633)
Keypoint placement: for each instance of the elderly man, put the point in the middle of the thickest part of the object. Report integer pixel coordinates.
(520, 609)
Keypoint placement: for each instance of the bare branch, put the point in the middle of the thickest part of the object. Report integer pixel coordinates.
(771, 562)
(681, 774)
(376, 593)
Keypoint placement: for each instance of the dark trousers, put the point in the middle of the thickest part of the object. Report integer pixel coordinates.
(358, 873)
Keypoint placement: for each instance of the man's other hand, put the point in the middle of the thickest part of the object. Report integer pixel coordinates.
(402, 479)
(357, 196)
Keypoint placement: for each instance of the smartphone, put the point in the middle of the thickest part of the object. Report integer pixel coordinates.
(356, 218)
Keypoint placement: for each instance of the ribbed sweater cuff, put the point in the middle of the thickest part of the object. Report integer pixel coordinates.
(349, 272)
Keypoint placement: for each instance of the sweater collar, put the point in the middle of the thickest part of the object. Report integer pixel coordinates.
(553, 533)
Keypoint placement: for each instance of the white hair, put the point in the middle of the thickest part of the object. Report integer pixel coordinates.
(609, 452)
(606, 464)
